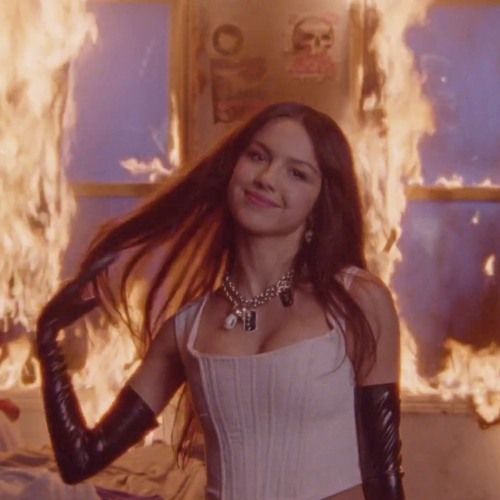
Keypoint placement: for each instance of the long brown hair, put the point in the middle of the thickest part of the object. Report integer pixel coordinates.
(188, 224)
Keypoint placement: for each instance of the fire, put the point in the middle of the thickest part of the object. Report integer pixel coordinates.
(110, 359)
(489, 266)
(38, 40)
(472, 374)
(385, 139)
(155, 168)
(174, 155)
(395, 115)
(468, 374)
(450, 182)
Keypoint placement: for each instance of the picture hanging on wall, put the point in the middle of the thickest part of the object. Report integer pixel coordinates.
(237, 87)
(237, 82)
(310, 46)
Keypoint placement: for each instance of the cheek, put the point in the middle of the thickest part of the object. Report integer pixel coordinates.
(236, 178)
(234, 187)
(242, 172)
(305, 199)
(240, 178)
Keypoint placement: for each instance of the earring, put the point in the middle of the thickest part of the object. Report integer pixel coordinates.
(308, 235)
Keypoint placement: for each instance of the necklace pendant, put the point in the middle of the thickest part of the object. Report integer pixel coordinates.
(250, 320)
(286, 296)
(230, 321)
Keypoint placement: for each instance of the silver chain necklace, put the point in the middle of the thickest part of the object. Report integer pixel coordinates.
(245, 309)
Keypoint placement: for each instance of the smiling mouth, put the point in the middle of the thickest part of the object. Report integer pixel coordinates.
(259, 200)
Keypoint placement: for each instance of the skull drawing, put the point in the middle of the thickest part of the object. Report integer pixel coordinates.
(312, 35)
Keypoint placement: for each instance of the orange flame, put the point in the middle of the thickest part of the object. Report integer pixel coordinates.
(394, 118)
(38, 40)
(110, 359)
(156, 168)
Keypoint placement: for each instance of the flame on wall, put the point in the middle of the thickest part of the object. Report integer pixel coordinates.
(156, 168)
(395, 115)
(38, 39)
(389, 118)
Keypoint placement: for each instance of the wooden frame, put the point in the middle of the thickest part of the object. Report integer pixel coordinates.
(413, 193)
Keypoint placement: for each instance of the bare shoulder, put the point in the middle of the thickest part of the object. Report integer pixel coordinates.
(174, 329)
(373, 296)
(376, 301)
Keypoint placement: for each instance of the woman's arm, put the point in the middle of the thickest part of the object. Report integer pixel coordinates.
(81, 451)
(377, 404)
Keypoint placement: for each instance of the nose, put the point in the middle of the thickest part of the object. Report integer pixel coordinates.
(266, 177)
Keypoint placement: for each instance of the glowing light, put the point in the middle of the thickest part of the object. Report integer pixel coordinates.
(37, 208)
(453, 181)
(38, 40)
(174, 155)
(486, 183)
(395, 115)
(155, 168)
(489, 266)
(110, 359)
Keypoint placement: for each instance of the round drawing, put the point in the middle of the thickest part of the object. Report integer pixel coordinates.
(227, 39)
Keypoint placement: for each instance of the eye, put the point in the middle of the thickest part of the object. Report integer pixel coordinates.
(255, 155)
(298, 174)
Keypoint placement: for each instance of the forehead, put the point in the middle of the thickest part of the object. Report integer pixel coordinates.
(287, 137)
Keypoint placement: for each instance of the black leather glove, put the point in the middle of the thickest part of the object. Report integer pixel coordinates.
(377, 410)
(81, 452)
(67, 305)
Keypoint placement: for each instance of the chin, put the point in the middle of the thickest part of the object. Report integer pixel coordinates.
(264, 222)
(266, 229)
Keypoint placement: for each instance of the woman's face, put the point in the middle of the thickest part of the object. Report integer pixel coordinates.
(276, 181)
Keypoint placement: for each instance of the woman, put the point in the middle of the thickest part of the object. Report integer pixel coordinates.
(290, 348)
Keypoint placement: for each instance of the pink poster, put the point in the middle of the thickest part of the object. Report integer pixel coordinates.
(311, 46)
(237, 87)
(237, 77)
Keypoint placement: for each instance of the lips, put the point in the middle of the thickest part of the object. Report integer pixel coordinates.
(259, 200)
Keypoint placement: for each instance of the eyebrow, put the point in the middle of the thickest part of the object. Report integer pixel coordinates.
(268, 150)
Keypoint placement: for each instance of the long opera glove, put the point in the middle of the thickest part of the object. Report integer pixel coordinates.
(377, 410)
(81, 451)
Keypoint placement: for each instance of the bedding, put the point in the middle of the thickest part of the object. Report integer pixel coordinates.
(143, 473)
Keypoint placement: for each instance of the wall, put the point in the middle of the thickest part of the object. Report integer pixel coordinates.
(254, 61)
